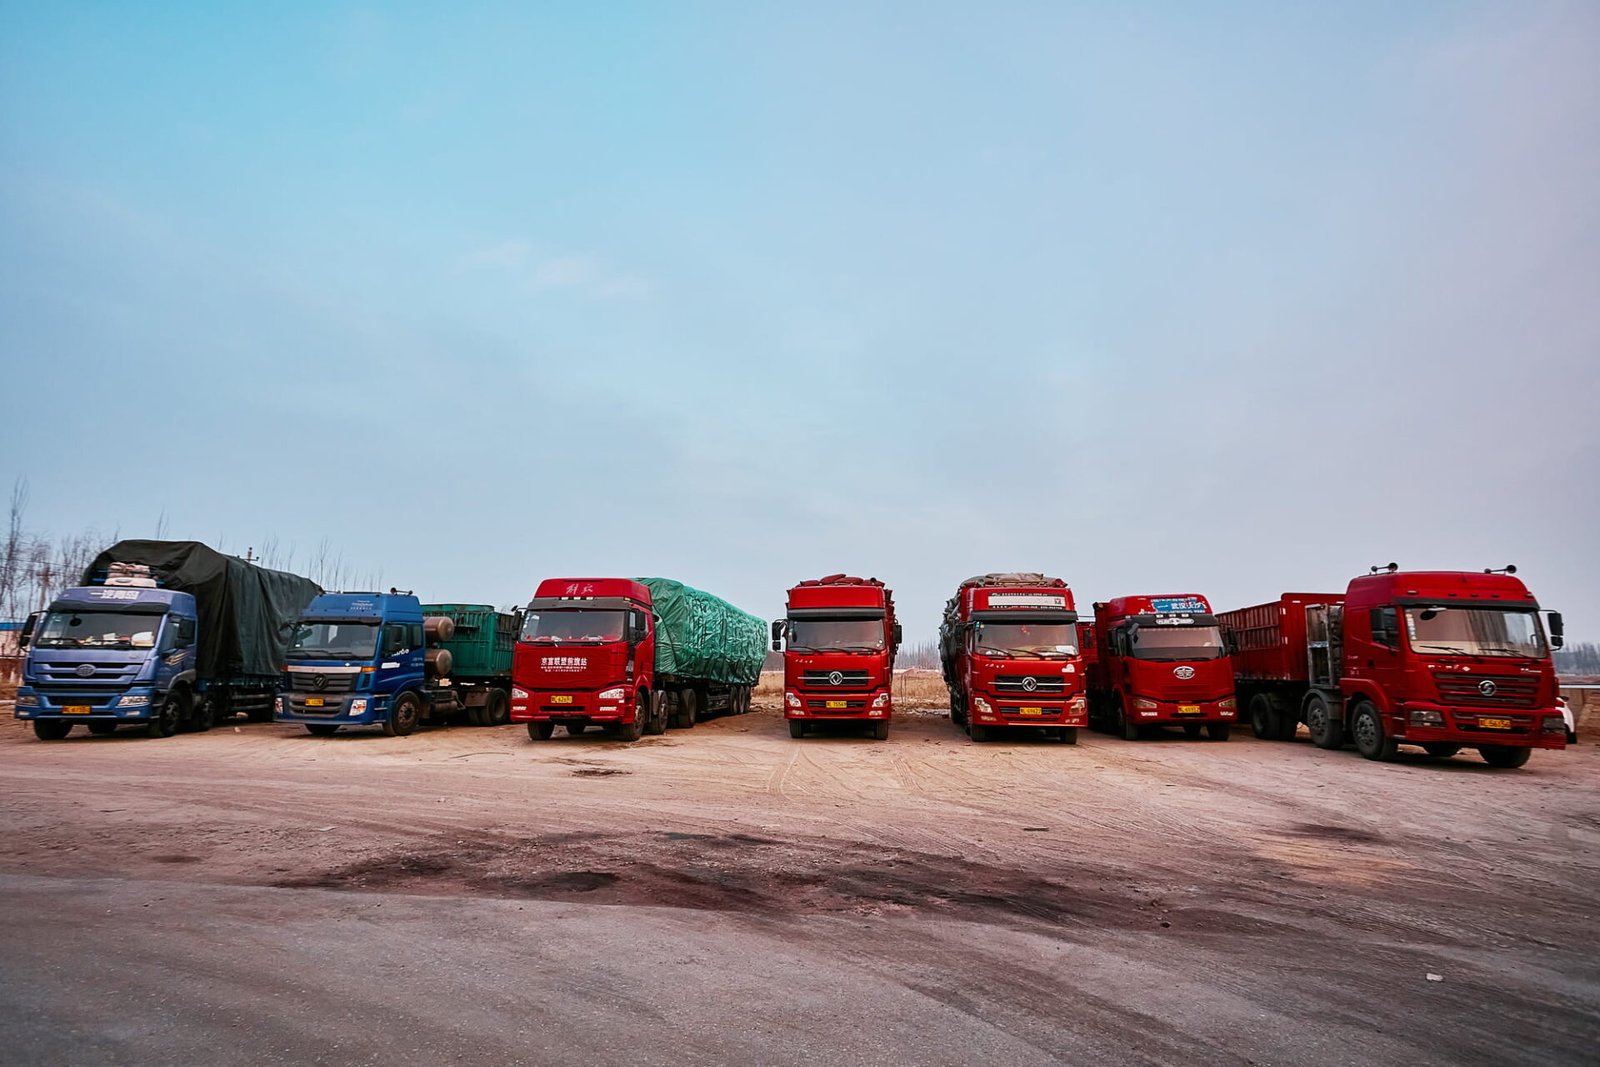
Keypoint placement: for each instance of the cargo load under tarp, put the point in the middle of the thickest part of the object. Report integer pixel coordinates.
(247, 613)
(704, 637)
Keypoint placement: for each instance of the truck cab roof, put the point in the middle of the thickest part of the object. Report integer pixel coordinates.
(1457, 588)
(840, 591)
(124, 598)
(1154, 604)
(371, 607)
(579, 590)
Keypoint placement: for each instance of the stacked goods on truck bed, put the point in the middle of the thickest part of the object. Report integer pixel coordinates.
(246, 612)
(704, 637)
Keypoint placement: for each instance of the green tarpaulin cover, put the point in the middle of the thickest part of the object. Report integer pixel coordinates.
(702, 636)
(247, 613)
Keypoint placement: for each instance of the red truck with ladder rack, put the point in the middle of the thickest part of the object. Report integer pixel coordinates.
(1009, 649)
(1443, 660)
(1159, 661)
(838, 638)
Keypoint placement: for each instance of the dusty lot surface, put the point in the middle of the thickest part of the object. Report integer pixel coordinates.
(729, 895)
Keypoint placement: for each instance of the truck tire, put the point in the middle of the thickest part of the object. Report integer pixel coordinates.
(1219, 731)
(797, 728)
(1069, 735)
(51, 729)
(1263, 718)
(168, 717)
(1191, 730)
(1288, 721)
(632, 731)
(1366, 730)
(102, 728)
(958, 712)
(1326, 731)
(657, 723)
(688, 709)
(322, 729)
(496, 710)
(1504, 756)
(201, 715)
(540, 731)
(404, 715)
(880, 731)
(475, 716)
(977, 733)
(1440, 749)
(1129, 727)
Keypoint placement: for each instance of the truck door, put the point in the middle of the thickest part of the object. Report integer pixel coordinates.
(403, 655)
(1381, 661)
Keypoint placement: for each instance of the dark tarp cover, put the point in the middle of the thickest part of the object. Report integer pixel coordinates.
(705, 637)
(247, 613)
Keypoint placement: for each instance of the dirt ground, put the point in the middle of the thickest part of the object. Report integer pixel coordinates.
(729, 895)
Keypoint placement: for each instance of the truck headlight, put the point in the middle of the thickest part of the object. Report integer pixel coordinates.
(1555, 724)
(1425, 717)
(881, 700)
(616, 692)
(792, 699)
(982, 707)
(1228, 702)
(277, 705)
(1078, 702)
(1141, 704)
(132, 701)
(358, 707)
(518, 693)
(29, 701)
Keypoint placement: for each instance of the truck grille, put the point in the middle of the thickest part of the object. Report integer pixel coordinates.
(100, 673)
(847, 679)
(1509, 691)
(1018, 683)
(305, 681)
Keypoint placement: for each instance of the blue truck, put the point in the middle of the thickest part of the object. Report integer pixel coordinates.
(165, 635)
(388, 660)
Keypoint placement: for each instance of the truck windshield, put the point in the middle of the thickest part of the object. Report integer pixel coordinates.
(836, 635)
(1171, 644)
(1035, 639)
(578, 624)
(334, 640)
(97, 629)
(1475, 632)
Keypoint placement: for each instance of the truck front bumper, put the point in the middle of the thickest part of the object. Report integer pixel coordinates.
(1426, 723)
(823, 705)
(1181, 713)
(992, 709)
(576, 706)
(128, 705)
(349, 709)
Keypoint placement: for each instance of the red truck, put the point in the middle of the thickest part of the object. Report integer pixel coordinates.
(1159, 661)
(1439, 659)
(838, 639)
(631, 656)
(1009, 649)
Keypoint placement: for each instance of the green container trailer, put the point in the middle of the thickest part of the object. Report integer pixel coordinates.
(480, 651)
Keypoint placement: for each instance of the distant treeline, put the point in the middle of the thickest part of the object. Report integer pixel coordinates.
(1580, 658)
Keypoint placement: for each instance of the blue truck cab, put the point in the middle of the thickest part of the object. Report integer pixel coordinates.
(106, 656)
(354, 660)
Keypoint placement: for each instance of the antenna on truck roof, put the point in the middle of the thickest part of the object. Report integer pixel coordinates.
(1391, 568)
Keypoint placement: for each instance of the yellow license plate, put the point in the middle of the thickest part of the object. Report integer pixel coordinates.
(313, 702)
(1495, 724)
(830, 704)
(1030, 711)
(1188, 709)
(77, 709)
(563, 699)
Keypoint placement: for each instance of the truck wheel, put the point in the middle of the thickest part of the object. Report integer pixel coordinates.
(51, 729)
(1366, 730)
(632, 731)
(1441, 750)
(496, 711)
(1191, 730)
(540, 731)
(1504, 756)
(475, 716)
(1288, 721)
(1263, 718)
(202, 716)
(101, 729)
(688, 708)
(1129, 727)
(657, 723)
(1069, 735)
(977, 733)
(1326, 731)
(321, 729)
(1219, 731)
(797, 728)
(403, 716)
(880, 731)
(165, 722)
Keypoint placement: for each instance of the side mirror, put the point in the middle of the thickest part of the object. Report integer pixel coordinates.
(25, 638)
(897, 633)
(777, 635)
(1557, 633)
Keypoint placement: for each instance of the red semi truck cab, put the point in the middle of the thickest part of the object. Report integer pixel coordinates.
(1009, 649)
(1439, 659)
(1161, 661)
(586, 655)
(838, 637)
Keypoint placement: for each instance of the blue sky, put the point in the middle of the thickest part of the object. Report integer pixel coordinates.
(1156, 298)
